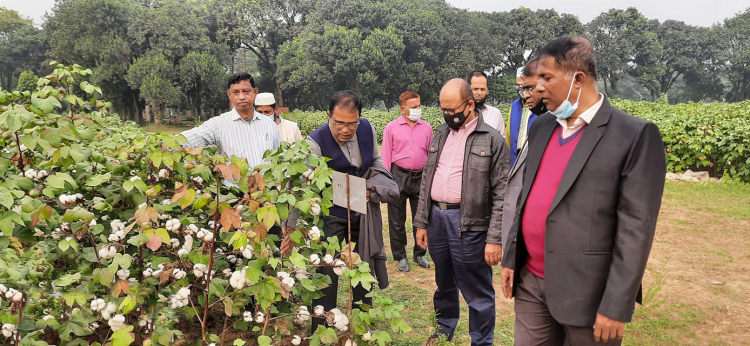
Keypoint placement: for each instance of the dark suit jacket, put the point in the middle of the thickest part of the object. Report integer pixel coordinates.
(512, 191)
(601, 224)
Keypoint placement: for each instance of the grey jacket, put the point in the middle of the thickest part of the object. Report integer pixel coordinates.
(383, 189)
(513, 191)
(485, 174)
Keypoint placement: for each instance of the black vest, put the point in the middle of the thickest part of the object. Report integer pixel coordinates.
(331, 149)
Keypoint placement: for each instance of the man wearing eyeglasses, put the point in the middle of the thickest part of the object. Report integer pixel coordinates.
(521, 118)
(405, 143)
(460, 213)
(265, 103)
(241, 132)
(351, 144)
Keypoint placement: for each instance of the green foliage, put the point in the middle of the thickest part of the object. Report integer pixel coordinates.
(701, 136)
(109, 230)
(27, 81)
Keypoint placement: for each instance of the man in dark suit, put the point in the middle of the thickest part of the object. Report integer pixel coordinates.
(592, 189)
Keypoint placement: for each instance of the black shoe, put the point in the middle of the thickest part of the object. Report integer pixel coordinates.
(403, 265)
(422, 261)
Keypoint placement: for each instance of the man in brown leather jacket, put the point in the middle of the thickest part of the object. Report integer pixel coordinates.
(460, 212)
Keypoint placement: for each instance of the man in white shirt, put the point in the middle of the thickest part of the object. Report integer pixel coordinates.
(492, 115)
(265, 103)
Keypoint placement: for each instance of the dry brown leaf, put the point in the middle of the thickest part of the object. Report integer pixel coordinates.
(260, 231)
(166, 273)
(120, 287)
(179, 193)
(283, 326)
(230, 218)
(225, 170)
(192, 151)
(256, 182)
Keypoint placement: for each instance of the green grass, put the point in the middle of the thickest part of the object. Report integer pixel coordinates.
(729, 198)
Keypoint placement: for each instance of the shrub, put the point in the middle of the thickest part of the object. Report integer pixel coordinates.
(111, 233)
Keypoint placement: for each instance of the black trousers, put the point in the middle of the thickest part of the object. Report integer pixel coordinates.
(336, 226)
(409, 183)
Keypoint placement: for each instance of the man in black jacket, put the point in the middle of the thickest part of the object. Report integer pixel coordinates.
(460, 210)
(592, 189)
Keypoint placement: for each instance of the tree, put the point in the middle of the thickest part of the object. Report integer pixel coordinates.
(341, 58)
(27, 81)
(154, 76)
(734, 56)
(684, 50)
(95, 33)
(619, 37)
(202, 79)
(21, 46)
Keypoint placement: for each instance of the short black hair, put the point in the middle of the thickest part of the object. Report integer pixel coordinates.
(572, 53)
(347, 99)
(477, 74)
(239, 77)
(530, 68)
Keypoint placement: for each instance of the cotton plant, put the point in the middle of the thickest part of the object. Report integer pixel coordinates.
(133, 235)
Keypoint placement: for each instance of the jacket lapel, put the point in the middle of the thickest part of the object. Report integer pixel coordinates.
(583, 150)
(536, 151)
(519, 160)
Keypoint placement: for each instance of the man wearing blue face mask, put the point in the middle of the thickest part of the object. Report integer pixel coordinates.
(592, 189)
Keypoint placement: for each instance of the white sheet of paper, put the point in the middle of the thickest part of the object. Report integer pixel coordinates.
(357, 192)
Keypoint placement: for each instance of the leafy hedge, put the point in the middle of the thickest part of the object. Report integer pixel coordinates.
(698, 136)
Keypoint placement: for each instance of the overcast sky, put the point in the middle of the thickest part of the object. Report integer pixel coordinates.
(696, 12)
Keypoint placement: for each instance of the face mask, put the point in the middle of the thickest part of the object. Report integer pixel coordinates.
(566, 109)
(455, 121)
(414, 114)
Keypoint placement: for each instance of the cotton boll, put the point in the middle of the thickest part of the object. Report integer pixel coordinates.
(179, 274)
(247, 316)
(296, 340)
(319, 310)
(315, 259)
(303, 315)
(247, 252)
(288, 281)
(301, 274)
(182, 252)
(9, 330)
(123, 274)
(328, 259)
(238, 279)
(175, 242)
(338, 267)
(260, 317)
(209, 237)
(232, 259)
(108, 310)
(314, 233)
(366, 336)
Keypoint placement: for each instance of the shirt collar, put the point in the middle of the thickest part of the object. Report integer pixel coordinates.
(236, 116)
(468, 127)
(402, 121)
(587, 116)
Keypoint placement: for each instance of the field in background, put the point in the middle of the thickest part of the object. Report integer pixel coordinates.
(696, 287)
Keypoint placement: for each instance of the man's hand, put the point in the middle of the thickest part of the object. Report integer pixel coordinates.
(493, 253)
(606, 329)
(422, 238)
(287, 244)
(368, 197)
(506, 282)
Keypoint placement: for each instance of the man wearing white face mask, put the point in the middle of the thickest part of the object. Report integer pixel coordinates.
(404, 152)
(585, 221)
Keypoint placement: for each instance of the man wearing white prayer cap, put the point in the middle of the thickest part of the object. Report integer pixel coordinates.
(265, 103)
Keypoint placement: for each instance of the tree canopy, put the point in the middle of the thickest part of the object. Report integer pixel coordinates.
(178, 53)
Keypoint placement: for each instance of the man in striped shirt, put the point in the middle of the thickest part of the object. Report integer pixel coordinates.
(241, 132)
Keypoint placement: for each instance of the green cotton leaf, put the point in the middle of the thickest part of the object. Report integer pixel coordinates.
(67, 279)
(264, 340)
(87, 133)
(28, 141)
(78, 214)
(128, 185)
(156, 158)
(6, 198)
(122, 261)
(24, 183)
(106, 275)
(298, 260)
(76, 155)
(122, 337)
(98, 179)
(140, 185)
(238, 342)
(63, 245)
(128, 304)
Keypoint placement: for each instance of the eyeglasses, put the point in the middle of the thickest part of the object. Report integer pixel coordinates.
(453, 111)
(341, 125)
(526, 91)
(519, 89)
